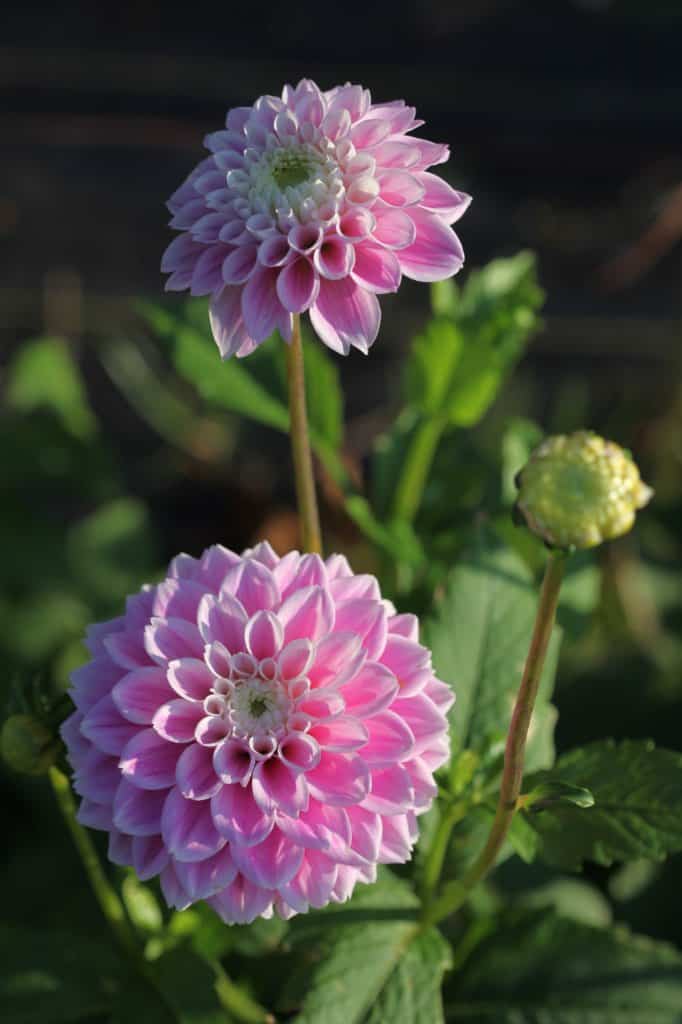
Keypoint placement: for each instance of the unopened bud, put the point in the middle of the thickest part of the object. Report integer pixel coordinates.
(27, 745)
(578, 490)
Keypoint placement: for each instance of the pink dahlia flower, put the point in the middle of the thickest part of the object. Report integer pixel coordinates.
(317, 201)
(260, 732)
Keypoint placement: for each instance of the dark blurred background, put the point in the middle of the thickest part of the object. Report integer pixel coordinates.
(564, 121)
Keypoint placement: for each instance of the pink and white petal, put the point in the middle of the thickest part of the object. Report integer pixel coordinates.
(371, 691)
(148, 761)
(195, 774)
(173, 892)
(421, 777)
(295, 659)
(400, 188)
(313, 883)
(207, 277)
(392, 791)
(390, 740)
(394, 228)
(299, 751)
(94, 815)
(177, 720)
(357, 224)
(345, 883)
(97, 777)
(177, 599)
(140, 693)
(127, 649)
(96, 631)
(106, 727)
(376, 268)
(227, 325)
(345, 315)
(346, 588)
(436, 252)
(297, 285)
(366, 827)
(239, 264)
(338, 658)
(339, 780)
(169, 639)
(264, 635)
(149, 856)
(396, 843)
(308, 612)
(202, 879)
(190, 679)
(409, 662)
(95, 680)
(261, 307)
(239, 818)
(308, 571)
(276, 787)
(223, 619)
(334, 258)
(270, 864)
(426, 721)
(366, 618)
(431, 152)
(311, 836)
(138, 811)
(77, 746)
(241, 902)
(340, 734)
(406, 625)
(233, 762)
(440, 693)
(254, 586)
(211, 731)
(214, 565)
(188, 829)
(443, 199)
(120, 848)
(402, 154)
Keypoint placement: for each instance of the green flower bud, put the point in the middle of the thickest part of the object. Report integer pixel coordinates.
(578, 490)
(27, 745)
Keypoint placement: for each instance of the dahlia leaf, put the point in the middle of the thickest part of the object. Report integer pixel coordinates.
(637, 811)
(45, 374)
(536, 966)
(412, 994)
(479, 638)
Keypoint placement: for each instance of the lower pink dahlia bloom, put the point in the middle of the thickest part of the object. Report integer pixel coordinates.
(315, 201)
(260, 732)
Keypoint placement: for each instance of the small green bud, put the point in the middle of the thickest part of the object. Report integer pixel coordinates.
(578, 490)
(28, 746)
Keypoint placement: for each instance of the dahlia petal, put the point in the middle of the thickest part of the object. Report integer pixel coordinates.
(391, 791)
(149, 856)
(173, 892)
(120, 848)
(409, 662)
(275, 787)
(322, 704)
(376, 268)
(363, 191)
(334, 258)
(440, 693)
(352, 98)
(94, 815)
(390, 740)
(201, 879)
(261, 308)
(127, 650)
(366, 833)
(297, 285)
(443, 199)
(237, 118)
(340, 734)
(239, 818)
(400, 188)
(104, 726)
(372, 690)
(253, 585)
(177, 720)
(239, 264)
(176, 599)
(272, 863)
(222, 620)
(309, 571)
(190, 679)
(233, 762)
(338, 659)
(425, 720)
(430, 152)
(97, 777)
(357, 224)
(91, 682)
(302, 833)
(368, 620)
(96, 631)
(188, 829)
(274, 251)
(369, 132)
(138, 811)
(76, 744)
(195, 775)
(139, 694)
(399, 153)
(406, 625)
(436, 252)
(308, 612)
(241, 902)
(295, 659)
(299, 751)
(187, 215)
(148, 761)
(344, 315)
(207, 277)
(421, 778)
(169, 639)
(264, 635)
(264, 553)
(394, 228)
(313, 883)
(339, 780)
(184, 567)
(345, 883)
(346, 588)
(396, 845)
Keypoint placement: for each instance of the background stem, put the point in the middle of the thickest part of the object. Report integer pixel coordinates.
(418, 461)
(311, 538)
(455, 894)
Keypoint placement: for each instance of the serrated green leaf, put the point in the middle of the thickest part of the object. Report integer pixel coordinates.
(538, 968)
(412, 994)
(44, 373)
(479, 638)
(637, 810)
(347, 954)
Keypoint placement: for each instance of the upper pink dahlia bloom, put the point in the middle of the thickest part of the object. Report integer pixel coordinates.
(317, 201)
(261, 732)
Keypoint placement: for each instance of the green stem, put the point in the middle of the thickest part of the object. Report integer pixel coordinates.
(238, 1002)
(311, 538)
(439, 847)
(418, 460)
(456, 893)
(105, 894)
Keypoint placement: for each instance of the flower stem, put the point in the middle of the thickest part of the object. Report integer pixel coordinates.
(456, 893)
(439, 847)
(418, 460)
(306, 497)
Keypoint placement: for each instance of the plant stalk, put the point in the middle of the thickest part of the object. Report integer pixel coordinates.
(456, 893)
(311, 537)
(418, 461)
